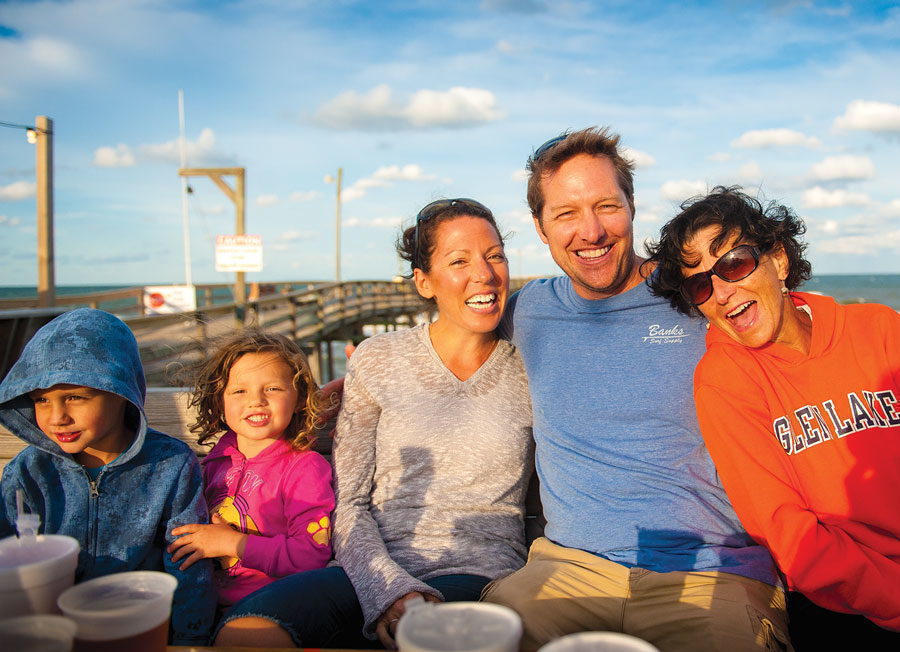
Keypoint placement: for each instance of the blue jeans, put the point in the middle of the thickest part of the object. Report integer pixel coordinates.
(319, 608)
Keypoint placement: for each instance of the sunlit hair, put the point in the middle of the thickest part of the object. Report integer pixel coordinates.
(741, 219)
(421, 258)
(593, 141)
(211, 377)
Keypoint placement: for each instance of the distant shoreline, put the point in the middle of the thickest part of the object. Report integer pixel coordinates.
(845, 288)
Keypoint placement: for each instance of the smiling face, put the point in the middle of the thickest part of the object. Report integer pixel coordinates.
(260, 400)
(752, 311)
(87, 423)
(587, 223)
(469, 276)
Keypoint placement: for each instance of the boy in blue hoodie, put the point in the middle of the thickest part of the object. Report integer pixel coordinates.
(93, 470)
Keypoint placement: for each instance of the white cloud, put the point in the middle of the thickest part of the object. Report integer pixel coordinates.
(818, 197)
(9, 221)
(750, 171)
(377, 110)
(639, 158)
(377, 222)
(305, 195)
(54, 54)
(861, 245)
(119, 156)
(719, 157)
(836, 168)
(386, 222)
(506, 47)
(410, 172)
(267, 200)
(384, 177)
(294, 235)
(870, 116)
(202, 150)
(765, 138)
(17, 190)
(519, 175)
(681, 190)
(517, 216)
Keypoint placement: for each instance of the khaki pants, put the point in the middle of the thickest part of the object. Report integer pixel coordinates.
(563, 590)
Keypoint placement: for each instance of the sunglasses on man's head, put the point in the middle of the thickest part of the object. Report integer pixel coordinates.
(543, 149)
(734, 265)
(437, 207)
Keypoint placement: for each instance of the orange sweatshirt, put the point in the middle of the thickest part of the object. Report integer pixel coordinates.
(808, 449)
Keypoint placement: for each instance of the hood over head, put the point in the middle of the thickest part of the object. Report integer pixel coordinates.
(84, 347)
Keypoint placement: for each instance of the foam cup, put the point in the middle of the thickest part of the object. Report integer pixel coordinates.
(37, 633)
(459, 627)
(598, 642)
(122, 611)
(34, 570)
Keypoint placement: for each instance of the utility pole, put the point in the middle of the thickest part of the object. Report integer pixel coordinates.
(43, 133)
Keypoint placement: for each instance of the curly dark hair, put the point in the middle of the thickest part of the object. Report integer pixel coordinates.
(740, 217)
(428, 220)
(593, 141)
(211, 377)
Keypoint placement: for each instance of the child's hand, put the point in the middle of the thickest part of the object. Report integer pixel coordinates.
(197, 541)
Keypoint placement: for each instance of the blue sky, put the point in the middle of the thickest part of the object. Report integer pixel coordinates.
(417, 100)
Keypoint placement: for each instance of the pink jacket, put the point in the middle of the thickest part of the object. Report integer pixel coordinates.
(283, 498)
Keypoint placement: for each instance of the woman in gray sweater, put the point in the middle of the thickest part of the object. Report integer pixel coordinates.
(432, 455)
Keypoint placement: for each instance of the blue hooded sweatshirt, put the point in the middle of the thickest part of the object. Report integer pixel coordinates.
(123, 519)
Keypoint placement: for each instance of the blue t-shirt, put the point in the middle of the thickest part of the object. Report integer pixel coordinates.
(624, 472)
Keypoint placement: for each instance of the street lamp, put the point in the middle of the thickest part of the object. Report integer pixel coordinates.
(337, 222)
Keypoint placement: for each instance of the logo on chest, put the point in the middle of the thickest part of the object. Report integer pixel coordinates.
(657, 334)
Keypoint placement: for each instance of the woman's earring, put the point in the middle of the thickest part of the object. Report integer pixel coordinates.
(784, 289)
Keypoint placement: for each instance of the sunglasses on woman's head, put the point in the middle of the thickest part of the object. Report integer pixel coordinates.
(437, 207)
(734, 265)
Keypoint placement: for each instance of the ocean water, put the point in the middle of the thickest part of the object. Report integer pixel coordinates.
(846, 288)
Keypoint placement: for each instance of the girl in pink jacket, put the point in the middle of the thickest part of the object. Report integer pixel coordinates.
(270, 496)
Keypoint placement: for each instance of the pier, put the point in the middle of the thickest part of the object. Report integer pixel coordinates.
(314, 317)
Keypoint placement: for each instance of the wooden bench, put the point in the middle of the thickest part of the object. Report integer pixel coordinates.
(167, 411)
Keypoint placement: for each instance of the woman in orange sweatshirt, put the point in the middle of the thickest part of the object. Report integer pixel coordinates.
(798, 399)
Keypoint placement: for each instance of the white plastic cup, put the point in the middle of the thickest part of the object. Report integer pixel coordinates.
(123, 611)
(598, 642)
(40, 633)
(34, 571)
(459, 627)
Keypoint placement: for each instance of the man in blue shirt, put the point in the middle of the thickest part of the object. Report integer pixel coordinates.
(640, 535)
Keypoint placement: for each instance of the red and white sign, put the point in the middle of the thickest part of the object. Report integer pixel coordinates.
(239, 253)
(166, 299)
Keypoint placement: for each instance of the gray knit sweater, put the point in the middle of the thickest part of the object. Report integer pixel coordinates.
(430, 471)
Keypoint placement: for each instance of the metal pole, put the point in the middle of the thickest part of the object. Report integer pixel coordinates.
(185, 224)
(337, 228)
(44, 153)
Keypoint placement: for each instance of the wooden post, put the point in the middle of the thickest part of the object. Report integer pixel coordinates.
(237, 196)
(46, 287)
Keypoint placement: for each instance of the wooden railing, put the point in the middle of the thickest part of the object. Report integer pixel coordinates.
(312, 317)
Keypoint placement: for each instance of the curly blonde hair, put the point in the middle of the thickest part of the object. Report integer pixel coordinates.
(211, 377)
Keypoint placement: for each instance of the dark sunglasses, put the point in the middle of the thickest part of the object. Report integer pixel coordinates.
(546, 147)
(732, 266)
(437, 207)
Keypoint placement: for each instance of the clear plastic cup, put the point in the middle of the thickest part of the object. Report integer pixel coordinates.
(40, 633)
(34, 570)
(124, 611)
(598, 642)
(458, 627)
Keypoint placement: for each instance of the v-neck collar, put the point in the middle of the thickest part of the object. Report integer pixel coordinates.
(425, 338)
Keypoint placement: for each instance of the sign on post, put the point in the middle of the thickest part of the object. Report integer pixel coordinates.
(239, 253)
(166, 299)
